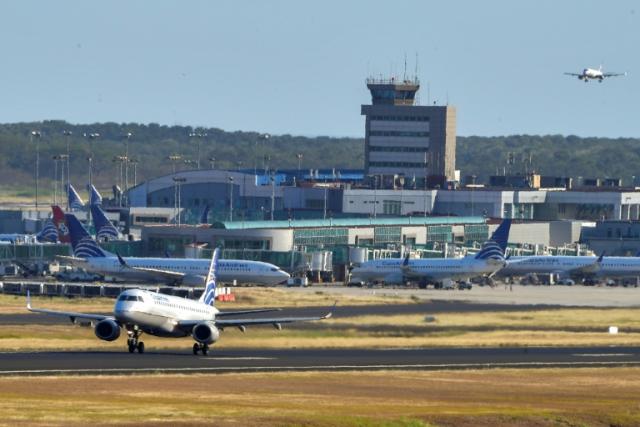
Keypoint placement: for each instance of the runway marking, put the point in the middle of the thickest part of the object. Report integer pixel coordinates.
(116, 371)
(603, 354)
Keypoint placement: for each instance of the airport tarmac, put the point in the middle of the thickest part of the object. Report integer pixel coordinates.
(270, 360)
(501, 293)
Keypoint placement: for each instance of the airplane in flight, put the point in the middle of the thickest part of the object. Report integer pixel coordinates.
(440, 272)
(138, 311)
(187, 271)
(594, 74)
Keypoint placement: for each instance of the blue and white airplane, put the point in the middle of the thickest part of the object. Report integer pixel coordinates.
(186, 271)
(487, 262)
(105, 230)
(138, 311)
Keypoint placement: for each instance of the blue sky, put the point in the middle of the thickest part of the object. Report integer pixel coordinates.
(299, 67)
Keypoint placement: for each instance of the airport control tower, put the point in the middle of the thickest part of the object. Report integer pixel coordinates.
(403, 138)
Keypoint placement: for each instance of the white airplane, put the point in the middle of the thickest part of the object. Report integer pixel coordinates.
(487, 262)
(574, 266)
(594, 74)
(138, 311)
(187, 271)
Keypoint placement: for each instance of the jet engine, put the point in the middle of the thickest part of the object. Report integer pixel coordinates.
(193, 280)
(205, 333)
(107, 330)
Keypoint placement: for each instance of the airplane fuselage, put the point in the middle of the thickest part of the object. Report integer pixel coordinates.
(194, 269)
(436, 270)
(159, 314)
(612, 267)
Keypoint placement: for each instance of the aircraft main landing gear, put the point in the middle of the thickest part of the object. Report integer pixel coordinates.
(197, 347)
(133, 342)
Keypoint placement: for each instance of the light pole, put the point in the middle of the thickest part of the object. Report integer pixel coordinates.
(91, 137)
(37, 135)
(230, 199)
(273, 193)
(212, 162)
(64, 159)
(127, 136)
(178, 196)
(299, 156)
(55, 178)
(134, 162)
(174, 158)
(324, 211)
(67, 135)
(375, 195)
(120, 165)
(198, 136)
(261, 137)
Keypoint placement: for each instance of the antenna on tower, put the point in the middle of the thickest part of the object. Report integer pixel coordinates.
(404, 76)
(416, 74)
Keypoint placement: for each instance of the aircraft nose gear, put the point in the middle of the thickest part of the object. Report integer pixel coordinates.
(133, 343)
(204, 348)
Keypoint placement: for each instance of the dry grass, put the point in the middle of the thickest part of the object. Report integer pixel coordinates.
(462, 398)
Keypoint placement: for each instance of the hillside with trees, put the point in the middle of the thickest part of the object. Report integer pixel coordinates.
(151, 145)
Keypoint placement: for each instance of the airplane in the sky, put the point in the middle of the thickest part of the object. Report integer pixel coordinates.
(594, 74)
(440, 272)
(187, 271)
(138, 311)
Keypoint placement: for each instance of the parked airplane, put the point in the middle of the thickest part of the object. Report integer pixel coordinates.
(487, 262)
(574, 266)
(594, 74)
(60, 224)
(139, 311)
(187, 271)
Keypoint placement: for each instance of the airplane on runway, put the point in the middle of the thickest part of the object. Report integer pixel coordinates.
(187, 271)
(139, 311)
(440, 272)
(594, 74)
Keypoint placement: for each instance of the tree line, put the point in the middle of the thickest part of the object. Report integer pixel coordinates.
(157, 149)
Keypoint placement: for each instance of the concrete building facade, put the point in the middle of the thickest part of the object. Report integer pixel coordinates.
(405, 139)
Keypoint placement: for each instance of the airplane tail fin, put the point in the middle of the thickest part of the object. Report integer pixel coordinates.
(81, 241)
(496, 246)
(94, 196)
(209, 295)
(105, 230)
(75, 201)
(61, 225)
(49, 233)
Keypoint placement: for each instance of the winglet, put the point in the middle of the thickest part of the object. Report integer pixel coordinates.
(121, 260)
(330, 313)
(405, 263)
(599, 260)
(28, 300)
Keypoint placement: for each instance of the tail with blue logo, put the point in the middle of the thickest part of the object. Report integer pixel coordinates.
(94, 196)
(81, 241)
(49, 233)
(75, 202)
(208, 297)
(105, 230)
(496, 246)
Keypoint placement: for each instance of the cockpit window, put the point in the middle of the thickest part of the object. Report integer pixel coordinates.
(129, 298)
(274, 269)
(140, 298)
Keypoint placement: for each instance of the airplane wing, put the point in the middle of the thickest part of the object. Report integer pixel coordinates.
(241, 323)
(587, 269)
(166, 275)
(613, 74)
(573, 74)
(237, 312)
(70, 314)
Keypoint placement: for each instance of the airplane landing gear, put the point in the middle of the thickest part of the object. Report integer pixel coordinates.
(133, 342)
(197, 347)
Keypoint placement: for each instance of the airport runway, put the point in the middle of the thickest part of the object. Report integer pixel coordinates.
(261, 360)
